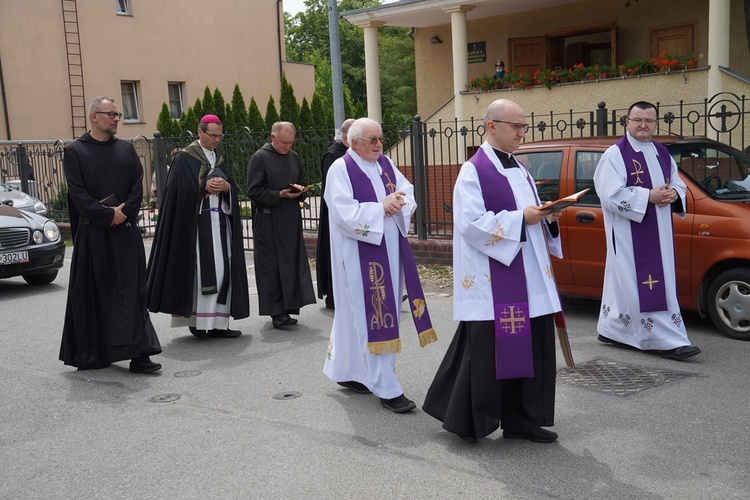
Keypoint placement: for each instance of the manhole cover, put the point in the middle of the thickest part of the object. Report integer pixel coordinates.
(187, 373)
(164, 398)
(287, 395)
(618, 379)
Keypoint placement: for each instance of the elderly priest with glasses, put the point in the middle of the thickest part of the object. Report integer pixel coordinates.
(370, 204)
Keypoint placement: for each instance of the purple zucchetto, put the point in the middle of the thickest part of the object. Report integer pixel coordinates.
(210, 119)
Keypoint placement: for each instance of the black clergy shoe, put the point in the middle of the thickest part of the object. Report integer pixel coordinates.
(144, 365)
(615, 343)
(531, 432)
(201, 334)
(282, 320)
(93, 367)
(398, 405)
(224, 334)
(680, 353)
(356, 387)
(469, 439)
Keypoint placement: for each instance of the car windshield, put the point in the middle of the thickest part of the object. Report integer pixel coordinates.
(722, 171)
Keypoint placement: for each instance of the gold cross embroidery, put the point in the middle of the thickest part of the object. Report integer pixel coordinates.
(548, 271)
(651, 282)
(509, 320)
(637, 172)
(389, 186)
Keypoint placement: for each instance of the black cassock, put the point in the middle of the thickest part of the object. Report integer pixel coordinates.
(172, 264)
(106, 318)
(282, 271)
(323, 250)
(467, 398)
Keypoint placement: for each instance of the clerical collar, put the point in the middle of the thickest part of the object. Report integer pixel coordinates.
(366, 163)
(506, 159)
(210, 155)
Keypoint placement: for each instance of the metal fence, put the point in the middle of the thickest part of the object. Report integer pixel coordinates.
(428, 153)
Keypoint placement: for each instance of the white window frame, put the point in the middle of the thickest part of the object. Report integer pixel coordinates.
(129, 95)
(176, 103)
(123, 7)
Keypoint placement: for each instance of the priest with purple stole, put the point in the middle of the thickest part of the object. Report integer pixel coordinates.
(370, 205)
(639, 187)
(499, 370)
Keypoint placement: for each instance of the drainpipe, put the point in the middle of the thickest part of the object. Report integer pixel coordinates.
(278, 34)
(5, 102)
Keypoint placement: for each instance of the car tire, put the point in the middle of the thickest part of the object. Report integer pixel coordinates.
(729, 303)
(40, 279)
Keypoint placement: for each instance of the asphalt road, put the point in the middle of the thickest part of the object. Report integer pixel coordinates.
(209, 426)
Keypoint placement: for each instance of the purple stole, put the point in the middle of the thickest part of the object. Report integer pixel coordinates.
(381, 307)
(510, 298)
(649, 270)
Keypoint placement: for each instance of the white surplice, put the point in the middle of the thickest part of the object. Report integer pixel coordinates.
(348, 358)
(620, 317)
(208, 314)
(480, 235)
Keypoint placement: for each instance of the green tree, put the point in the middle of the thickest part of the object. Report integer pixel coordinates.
(316, 109)
(197, 108)
(329, 118)
(360, 111)
(208, 103)
(255, 120)
(219, 104)
(165, 124)
(272, 116)
(348, 104)
(306, 121)
(238, 107)
(307, 35)
(229, 125)
(397, 71)
(191, 122)
(289, 109)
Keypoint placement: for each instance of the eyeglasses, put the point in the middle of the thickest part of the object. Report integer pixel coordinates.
(516, 126)
(112, 114)
(641, 121)
(374, 140)
(215, 137)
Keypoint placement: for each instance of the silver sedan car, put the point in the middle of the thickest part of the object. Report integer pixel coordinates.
(20, 200)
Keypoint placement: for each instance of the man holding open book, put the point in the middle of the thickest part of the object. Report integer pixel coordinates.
(500, 367)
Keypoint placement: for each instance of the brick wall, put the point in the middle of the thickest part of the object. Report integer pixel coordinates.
(428, 252)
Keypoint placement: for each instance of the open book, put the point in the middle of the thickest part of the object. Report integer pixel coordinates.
(297, 188)
(554, 206)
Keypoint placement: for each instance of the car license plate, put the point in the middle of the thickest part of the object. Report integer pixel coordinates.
(13, 257)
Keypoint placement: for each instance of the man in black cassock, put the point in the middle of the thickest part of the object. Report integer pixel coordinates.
(499, 370)
(276, 186)
(106, 318)
(323, 250)
(197, 267)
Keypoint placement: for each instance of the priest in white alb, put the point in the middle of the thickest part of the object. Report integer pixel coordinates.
(499, 370)
(639, 187)
(370, 205)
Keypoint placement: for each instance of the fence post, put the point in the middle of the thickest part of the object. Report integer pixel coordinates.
(418, 159)
(601, 119)
(160, 166)
(23, 168)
